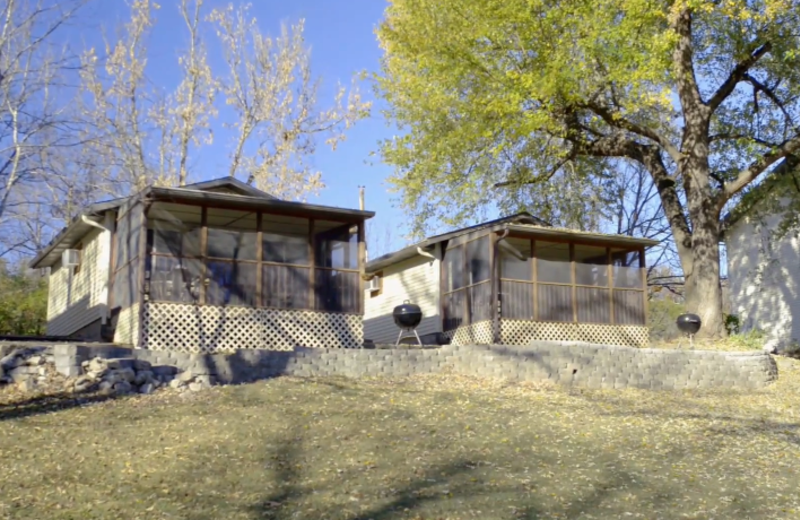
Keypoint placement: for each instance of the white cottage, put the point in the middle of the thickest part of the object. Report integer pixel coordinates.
(513, 280)
(208, 267)
(764, 267)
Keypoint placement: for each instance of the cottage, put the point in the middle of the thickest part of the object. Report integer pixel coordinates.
(514, 280)
(763, 260)
(212, 266)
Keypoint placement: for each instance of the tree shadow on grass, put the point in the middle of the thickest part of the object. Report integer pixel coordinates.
(49, 403)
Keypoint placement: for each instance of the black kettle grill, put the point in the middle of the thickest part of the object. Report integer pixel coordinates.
(407, 317)
(689, 324)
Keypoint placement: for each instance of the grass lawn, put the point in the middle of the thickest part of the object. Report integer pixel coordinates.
(440, 447)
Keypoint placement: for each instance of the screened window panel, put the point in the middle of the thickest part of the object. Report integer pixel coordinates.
(454, 268)
(552, 262)
(555, 302)
(625, 269)
(337, 291)
(285, 249)
(512, 267)
(336, 248)
(591, 266)
(231, 283)
(175, 279)
(516, 300)
(594, 305)
(286, 287)
(231, 244)
(176, 243)
(478, 260)
(453, 307)
(629, 307)
(480, 302)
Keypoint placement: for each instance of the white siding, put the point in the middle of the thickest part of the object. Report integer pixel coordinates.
(417, 280)
(763, 273)
(76, 300)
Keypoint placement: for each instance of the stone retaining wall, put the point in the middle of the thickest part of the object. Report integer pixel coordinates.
(586, 365)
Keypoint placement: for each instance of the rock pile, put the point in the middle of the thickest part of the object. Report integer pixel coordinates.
(34, 369)
(28, 368)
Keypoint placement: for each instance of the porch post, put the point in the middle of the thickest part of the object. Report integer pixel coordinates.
(142, 281)
(203, 254)
(362, 261)
(610, 286)
(494, 272)
(574, 280)
(643, 269)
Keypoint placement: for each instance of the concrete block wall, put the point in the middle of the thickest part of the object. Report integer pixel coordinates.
(579, 364)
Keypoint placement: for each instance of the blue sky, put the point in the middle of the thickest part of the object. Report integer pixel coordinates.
(342, 38)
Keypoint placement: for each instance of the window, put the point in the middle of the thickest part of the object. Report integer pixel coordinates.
(553, 263)
(231, 283)
(174, 265)
(336, 247)
(454, 268)
(625, 268)
(285, 249)
(478, 254)
(511, 266)
(591, 266)
(232, 245)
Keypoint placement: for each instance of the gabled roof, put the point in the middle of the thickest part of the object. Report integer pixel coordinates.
(225, 192)
(228, 185)
(523, 223)
(411, 251)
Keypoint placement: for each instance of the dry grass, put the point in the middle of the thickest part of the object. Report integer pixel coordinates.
(428, 447)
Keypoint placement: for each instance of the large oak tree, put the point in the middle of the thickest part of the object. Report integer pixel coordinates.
(500, 99)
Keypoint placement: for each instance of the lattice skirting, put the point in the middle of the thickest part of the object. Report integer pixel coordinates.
(519, 332)
(207, 329)
(475, 333)
(127, 330)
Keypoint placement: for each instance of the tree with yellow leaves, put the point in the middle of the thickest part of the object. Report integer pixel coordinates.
(499, 98)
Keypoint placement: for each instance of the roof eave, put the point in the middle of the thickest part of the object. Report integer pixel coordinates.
(299, 208)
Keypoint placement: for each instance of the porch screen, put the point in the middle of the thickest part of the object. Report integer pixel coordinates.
(175, 263)
(467, 289)
(222, 257)
(557, 282)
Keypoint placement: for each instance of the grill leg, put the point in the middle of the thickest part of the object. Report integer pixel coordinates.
(417, 335)
(399, 337)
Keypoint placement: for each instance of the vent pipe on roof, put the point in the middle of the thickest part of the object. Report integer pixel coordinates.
(361, 198)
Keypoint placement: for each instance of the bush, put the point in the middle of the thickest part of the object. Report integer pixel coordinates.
(23, 303)
(732, 324)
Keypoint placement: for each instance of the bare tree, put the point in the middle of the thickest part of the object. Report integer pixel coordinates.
(270, 86)
(119, 102)
(34, 114)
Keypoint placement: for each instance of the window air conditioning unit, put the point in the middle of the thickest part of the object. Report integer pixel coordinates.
(374, 284)
(71, 258)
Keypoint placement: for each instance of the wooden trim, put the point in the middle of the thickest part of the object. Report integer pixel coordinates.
(304, 309)
(254, 208)
(442, 262)
(259, 262)
(312, 293)
(574, 282)
(535, 274)
(494, 279)
(362, 263)
(467, 315)
(143, 254)
(203, 254)
(645, 302)
(581, 242)
(610, 286)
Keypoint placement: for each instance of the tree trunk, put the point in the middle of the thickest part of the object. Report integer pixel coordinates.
(703, 290)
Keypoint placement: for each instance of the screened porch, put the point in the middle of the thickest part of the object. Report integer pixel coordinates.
(513, 288)
(225, 257)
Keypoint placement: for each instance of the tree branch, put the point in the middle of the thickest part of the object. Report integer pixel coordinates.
(749, 174)
(613, 120)
(738, 73)
(770, 93)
